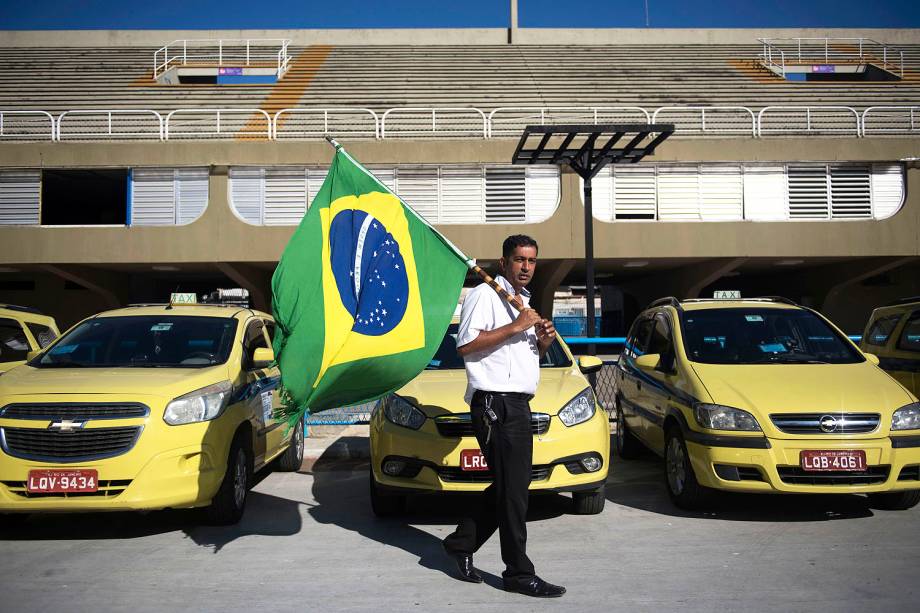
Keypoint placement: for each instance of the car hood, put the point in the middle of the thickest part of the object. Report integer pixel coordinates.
(803, 388)
(440, 392)
(126, 382)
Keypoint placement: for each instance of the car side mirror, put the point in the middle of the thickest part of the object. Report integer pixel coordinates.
(872, 358)
(649, 361)
(666, 363)
(33, 354)
(263, 357)
(588, 364)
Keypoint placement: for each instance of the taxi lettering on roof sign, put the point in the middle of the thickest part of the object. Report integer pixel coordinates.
(183, 298)
(729, 294)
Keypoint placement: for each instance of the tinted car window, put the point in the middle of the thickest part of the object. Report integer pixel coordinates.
(638, 341)
(43, 334)
(13, 343)
(141, 341)
(881, 330)
(660, 340)
(763, 336)
(910, 336)
(447, 358)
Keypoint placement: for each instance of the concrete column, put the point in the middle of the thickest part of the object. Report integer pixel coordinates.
(545, 283)
(255, 280)
(512, 30)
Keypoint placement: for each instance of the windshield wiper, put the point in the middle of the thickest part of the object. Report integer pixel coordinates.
(789, 359)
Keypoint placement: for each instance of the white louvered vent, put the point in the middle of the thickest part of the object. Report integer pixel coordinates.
(315, 178)
(635, 192)
(765, 193)
(247, 193)
(851, 195)
(462, 194)
(285, 196)
(20, 197)
(808, 192)
(601, 194)
(721, 192)
(678, 193)
(887, 189)
(419, 187)
(387, 176)
(542, 185)
(168, 196)
(505, 194)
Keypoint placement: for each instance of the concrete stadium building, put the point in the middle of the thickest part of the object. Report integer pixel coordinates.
(138, 163)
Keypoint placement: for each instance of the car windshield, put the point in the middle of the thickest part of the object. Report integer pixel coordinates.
(447, 358)
(141, 341)
(763, 336)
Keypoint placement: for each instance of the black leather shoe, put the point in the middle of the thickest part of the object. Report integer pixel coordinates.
(465, 566)
(536, 587)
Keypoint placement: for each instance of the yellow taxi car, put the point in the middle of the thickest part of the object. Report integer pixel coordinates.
(145, 407)
(893, 334)
(763, 395)
(422, 440)
(23, 329)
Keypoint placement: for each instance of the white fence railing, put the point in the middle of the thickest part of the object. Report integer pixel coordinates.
(222, 52)
(782, 52)
(462, 122)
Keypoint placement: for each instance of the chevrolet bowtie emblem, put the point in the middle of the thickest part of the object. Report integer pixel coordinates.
(66, 425)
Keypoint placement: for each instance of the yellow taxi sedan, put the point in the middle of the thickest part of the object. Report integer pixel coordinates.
(422, 440)
(763, 395)
(142, 408)
(23, 329)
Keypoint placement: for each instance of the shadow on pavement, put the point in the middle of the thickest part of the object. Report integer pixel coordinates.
(639, 484)
(341, 491)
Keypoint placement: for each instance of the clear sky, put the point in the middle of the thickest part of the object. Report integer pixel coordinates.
(233, 14)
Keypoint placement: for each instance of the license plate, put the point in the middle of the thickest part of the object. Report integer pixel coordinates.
(62, 481)
(825, 461)
(472, 459)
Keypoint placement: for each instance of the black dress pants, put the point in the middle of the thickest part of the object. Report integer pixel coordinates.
(509, 453)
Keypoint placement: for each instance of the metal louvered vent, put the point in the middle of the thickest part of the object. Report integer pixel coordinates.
(505, 192)
(850, 191)
(808, 197)
(20, 195)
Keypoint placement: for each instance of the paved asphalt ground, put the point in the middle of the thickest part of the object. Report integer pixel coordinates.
(309, 542)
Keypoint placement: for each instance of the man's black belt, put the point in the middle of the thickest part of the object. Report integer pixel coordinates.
(513, 395)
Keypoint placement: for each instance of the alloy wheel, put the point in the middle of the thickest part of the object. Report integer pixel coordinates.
(239, 479)
(676, 466)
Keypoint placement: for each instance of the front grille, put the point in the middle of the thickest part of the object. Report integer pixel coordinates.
(456, 475)
(794, 475)
(810, 423)
(107, 489)
(77, 446)
(460, 425)
(74, 410)
(910, 473)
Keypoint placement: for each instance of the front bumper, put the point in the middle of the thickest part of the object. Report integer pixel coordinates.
(438, 457)
(893, 465)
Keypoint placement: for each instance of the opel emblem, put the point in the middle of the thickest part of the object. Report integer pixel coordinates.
(66, 425)
(828, 423)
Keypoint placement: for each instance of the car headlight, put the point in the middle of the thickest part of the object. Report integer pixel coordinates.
(907, 417)
(578, 409)
(201, 405)
(403, 413)
(719, 417)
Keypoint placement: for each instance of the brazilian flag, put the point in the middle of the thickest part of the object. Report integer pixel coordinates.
(363, 294)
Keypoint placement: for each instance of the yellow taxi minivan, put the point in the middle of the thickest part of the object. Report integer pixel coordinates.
(893, 334)
(763, 395)
(422, 440)
(23, 329)
(143, 408)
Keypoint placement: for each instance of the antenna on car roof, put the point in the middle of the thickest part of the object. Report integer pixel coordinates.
(170, 305)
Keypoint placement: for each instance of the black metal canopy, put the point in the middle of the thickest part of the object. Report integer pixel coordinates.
(587, 148)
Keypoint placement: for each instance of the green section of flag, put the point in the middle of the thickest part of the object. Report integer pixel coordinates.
(329, 356)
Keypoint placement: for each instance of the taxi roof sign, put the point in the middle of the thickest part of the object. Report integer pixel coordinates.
(183, 298)
(729, 294)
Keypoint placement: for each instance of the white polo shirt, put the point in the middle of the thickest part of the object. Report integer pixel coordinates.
(512, 366)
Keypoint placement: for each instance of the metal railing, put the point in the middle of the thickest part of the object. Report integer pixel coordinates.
(781, 52)
(715, 120)
(825, 120)
(510, 121)
(412, 121)
(238, 125)
(466, 122)
(221, 51)
(306, 123)
(106, 123)
(26, 125)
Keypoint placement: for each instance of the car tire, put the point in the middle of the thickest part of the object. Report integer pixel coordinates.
(895, 501)
(229, 503)
(590, 502)
(628, 446)
(385, 504)
(683, 488)
(292, 458)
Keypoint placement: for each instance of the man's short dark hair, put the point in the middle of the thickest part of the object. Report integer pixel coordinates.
(517, 240)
